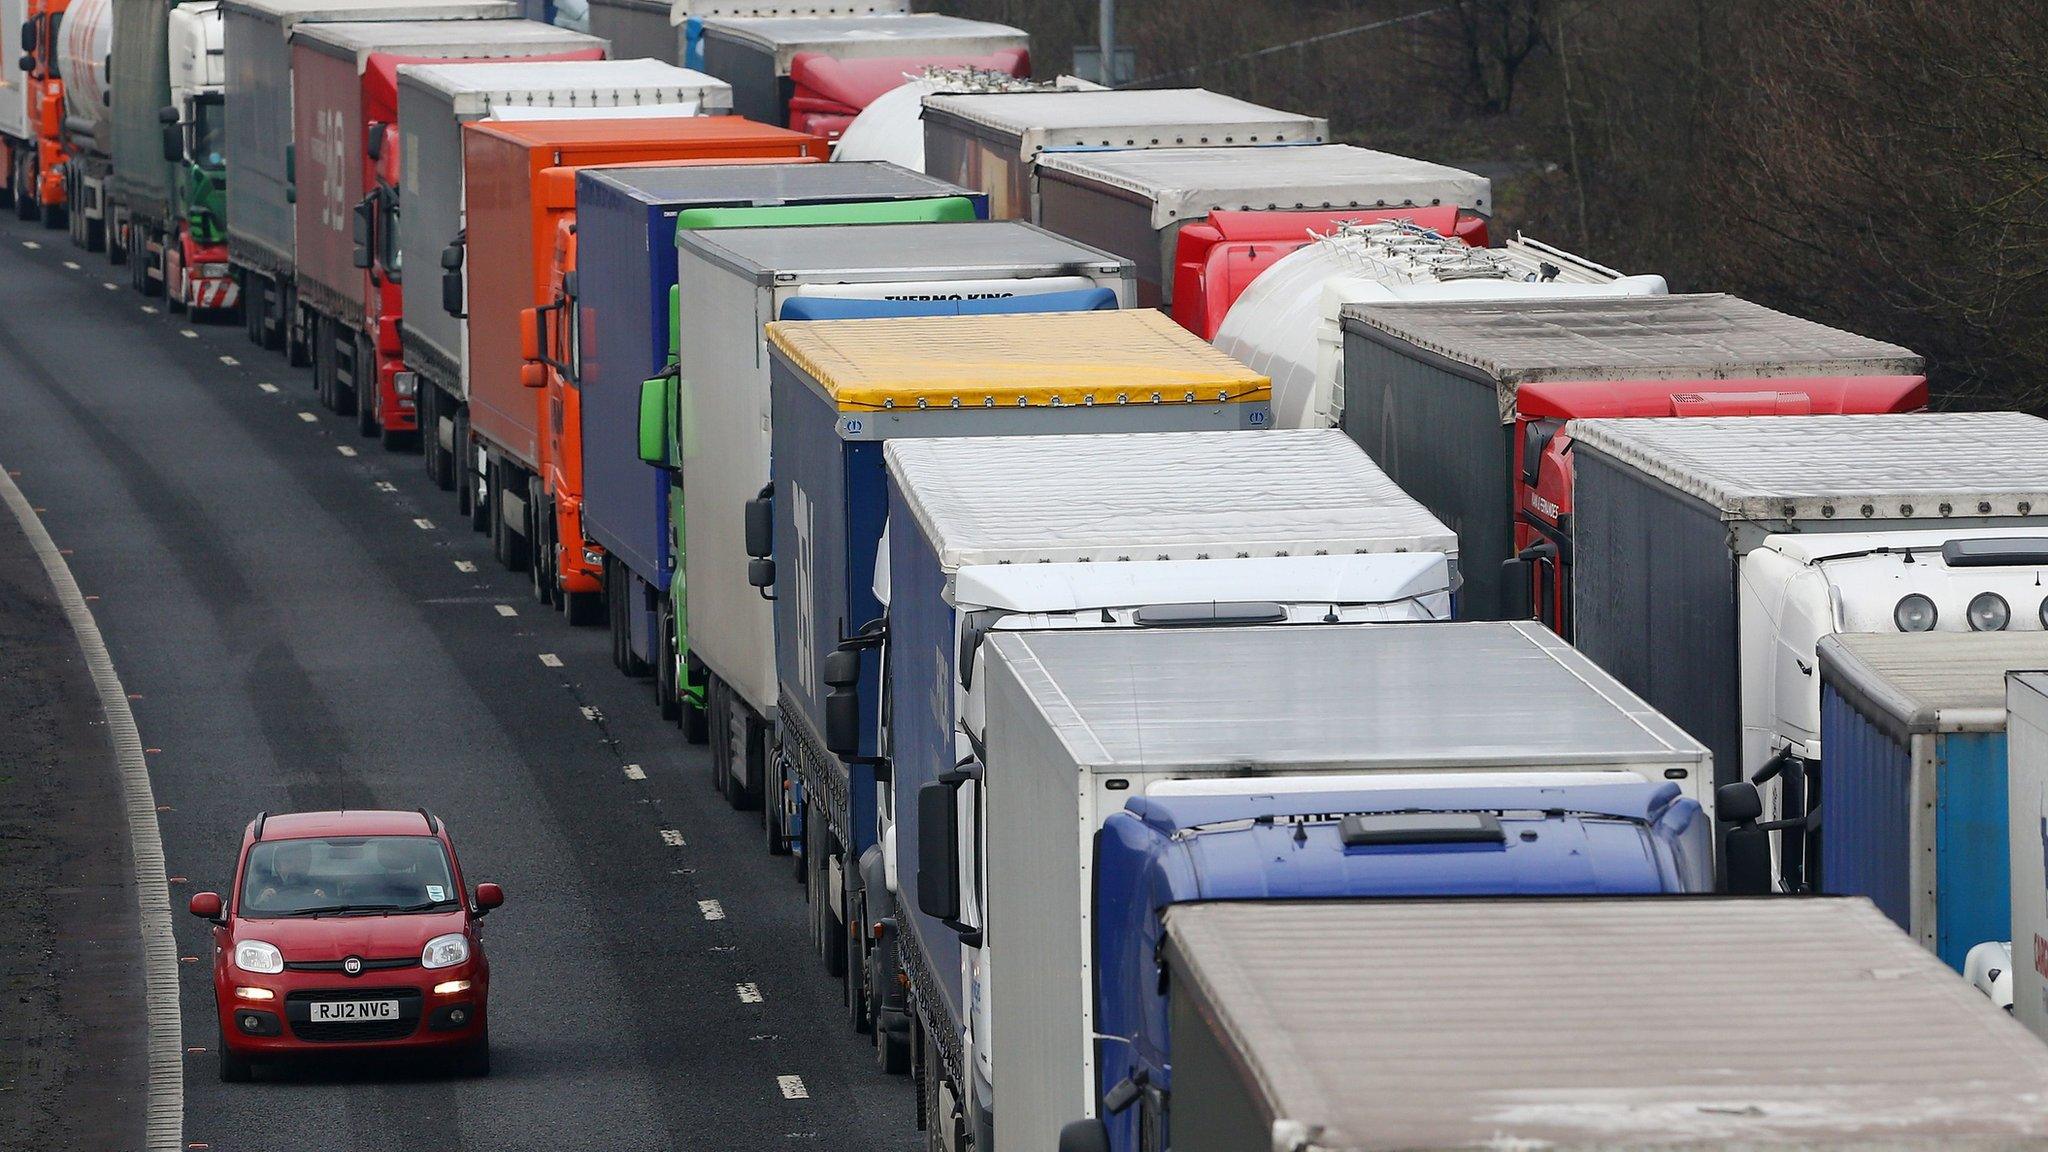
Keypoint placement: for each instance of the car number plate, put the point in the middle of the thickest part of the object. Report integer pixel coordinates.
(353, 1011)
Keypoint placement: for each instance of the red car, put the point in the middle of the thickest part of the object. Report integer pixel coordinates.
(349, 932)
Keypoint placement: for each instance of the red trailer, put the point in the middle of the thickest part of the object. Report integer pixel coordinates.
(829, 91)
(1219, 256)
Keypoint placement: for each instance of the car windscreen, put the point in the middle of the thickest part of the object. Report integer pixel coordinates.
(341, 874)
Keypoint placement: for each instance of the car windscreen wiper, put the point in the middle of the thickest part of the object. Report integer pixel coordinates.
(322, 910)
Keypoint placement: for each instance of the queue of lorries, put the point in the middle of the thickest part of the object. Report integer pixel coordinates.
(1356, 682)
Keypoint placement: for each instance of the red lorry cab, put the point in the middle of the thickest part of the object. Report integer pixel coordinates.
(1219, 256)
(1543, 446)
(829, 92)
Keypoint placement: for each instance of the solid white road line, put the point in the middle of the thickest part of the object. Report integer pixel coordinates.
(164, 1116)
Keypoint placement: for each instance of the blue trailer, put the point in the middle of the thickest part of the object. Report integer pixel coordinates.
(1913, 748)
(1262, 841)
(1010, 366)
(626, 226)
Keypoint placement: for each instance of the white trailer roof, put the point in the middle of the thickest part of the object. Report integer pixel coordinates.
(1184, 183)
(1380, 696)
(1156, 496)
(1574, 1025)
(474, 88)
(288, 13)
(855, 37)
(681, 10)
(1642, 338)
(470, 38)
(1127, 118)
(1912, 682)
(1921, 466)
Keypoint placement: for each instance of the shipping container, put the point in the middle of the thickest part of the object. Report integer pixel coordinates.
(733, 281)
(756, 55)
(626, 224)
(434, 101)
(1712, 553)
(1135, 202)
(1080, 721)
(2026, 697)
(992, 141)
(520, 180)
(1581, 1025)
(1913, 726)
(1430, 389)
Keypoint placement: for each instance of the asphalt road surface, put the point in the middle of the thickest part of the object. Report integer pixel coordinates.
(304, 624)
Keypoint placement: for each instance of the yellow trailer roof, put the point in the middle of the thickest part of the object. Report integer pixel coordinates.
(1014, 360)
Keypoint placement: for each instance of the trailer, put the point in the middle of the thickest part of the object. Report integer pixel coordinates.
(673, 30)
(840, 389)
(1079, 722)
(1432, 391)
(816, 73)
(348, 269)
(993, 140)
(2026, 696)
(730, 282)
(35, 119)
(1712, 553)
(521, 182)
(85, 52)
(1136, 202)
(1339, 839)
(1914, 729)
(261, 150)
(626, 224)
(1375, 1025)
(891, 125)
(434, 101)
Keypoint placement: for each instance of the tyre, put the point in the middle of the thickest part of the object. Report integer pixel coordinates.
(432, 458)
(721, 750)
(364, 389)
(936, 1124)
(696, 729)
(667, 686)
(772, 832)
(233, 1069)
(853, 939)
(743, 776)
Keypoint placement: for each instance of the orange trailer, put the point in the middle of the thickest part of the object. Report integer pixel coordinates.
(520, 179)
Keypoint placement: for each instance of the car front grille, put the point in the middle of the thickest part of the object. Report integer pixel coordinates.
(385, 965)
(298, 1010)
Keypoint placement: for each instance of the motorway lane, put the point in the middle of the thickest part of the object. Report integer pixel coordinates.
(300, 633)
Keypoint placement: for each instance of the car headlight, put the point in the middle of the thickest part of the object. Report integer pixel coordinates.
(1989, 612)
(445, 951)
(1915, 613)
(213, 271)
(256, 956)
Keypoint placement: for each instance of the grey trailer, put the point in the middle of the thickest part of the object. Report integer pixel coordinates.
(754, 54)
(142, 187)
(672, 30)
(991, 141)
(256, 35)
(1080, 721)
(1134, 202)
(1582, 1025)
(1430, 388)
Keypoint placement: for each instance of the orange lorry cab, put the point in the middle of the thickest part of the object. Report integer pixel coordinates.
(520, 179)
(568, 567)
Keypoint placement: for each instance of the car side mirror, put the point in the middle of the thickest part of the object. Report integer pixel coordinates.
(1084, 1136)
(654, 430)
(206, 906)
(488, 896)
(938, 851)
(529, 334)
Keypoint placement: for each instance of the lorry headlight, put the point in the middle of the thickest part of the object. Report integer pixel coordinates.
(1915, 613)
(1989, 612)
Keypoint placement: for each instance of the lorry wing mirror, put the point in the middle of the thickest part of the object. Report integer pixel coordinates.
(174, 141)
(533, 375)
(363, 225)
(761, 525)
(451, 257)
(28, 42)
(1746, 850)
(938, 851)
(451, 287)
(569, 284)
(373, 144)
(654, 410)
(168, 114)
(1517, 579)
(1738, 803)
(842, 702)
(1084, 1136)
(529, 334)
(842, 667)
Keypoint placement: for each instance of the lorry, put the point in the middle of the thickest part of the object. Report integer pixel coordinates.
(1219, 257)
(1000, 846)
(673, 30)
(891, 126)
(262, 154)
(840, 390)
(1463, 403)
(1136, 202)
(816, 73)
(521, 180)
(992, 140)
(610, 502)
(2026, 700)
(434, 101)
(1320, 838)
(166, 198)
(731, 281)
(1712, 553)
(33, 111)
(350, 265)
(1287, 323)
(1597, 1023)
(1913, 725)
(84, 30)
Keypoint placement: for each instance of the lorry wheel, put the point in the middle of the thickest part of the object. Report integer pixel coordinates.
(541, 540)
(774, 799)
(368, 395)
(743, 790)
(667, 694)
(853, 941)
(714, 696)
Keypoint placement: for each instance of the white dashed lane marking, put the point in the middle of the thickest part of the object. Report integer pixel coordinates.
(672, 837)
(711, 909)
(30, 244)
(465, 566)
(793, 1088)
(268, 387)
(148, 310)
(635, 772)
(188, 334)
(308, 417)
(344, 449)
(506, 610)
(110, 286)
(748, 993)
(386, 486)
(592, 714)
(423, 524)
(551, 660)
(230, 361)
(71, 264)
